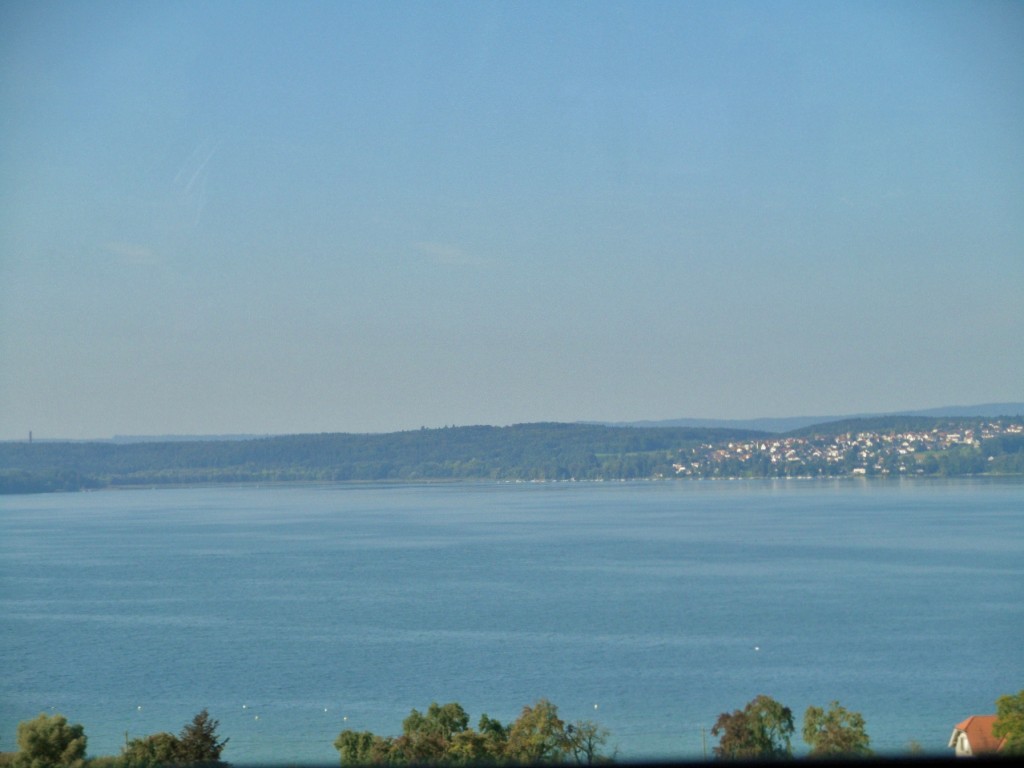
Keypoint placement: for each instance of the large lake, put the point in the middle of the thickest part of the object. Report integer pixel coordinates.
(293, 612)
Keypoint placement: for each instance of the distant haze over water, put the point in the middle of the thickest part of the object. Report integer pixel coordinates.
(787, 423)
(766, 424)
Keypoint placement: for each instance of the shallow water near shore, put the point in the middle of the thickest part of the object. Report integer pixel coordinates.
(293, 612)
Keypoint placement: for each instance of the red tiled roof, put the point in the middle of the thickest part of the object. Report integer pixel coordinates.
(979, 733)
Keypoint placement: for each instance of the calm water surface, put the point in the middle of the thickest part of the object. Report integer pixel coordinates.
(294, 612)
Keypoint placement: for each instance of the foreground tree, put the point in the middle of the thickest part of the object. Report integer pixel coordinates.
(471, 747)
(585, 740)
(155, 749)
(537, 735)
(762, 730)
(198, 742)
(196, 745)
(1010, 723)
(50, 742)
(427, 738)
(442, 736)
(836, 732)
(362, 748)
(495, 735)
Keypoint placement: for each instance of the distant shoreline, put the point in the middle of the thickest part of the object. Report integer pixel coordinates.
(902, 446)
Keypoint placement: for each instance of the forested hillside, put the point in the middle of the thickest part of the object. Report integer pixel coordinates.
(902, 445)
(521, 452)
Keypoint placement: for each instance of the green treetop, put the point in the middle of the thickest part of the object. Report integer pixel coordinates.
(761, 730)
(50, 742)
(836, 732)
(196, 745)
(1010, 723)
(442, 736)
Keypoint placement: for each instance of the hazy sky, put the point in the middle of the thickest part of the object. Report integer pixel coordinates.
(245, 217)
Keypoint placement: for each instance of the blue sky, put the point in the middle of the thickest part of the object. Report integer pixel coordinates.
(246, 217)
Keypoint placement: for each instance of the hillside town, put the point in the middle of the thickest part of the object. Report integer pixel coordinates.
(910, 452)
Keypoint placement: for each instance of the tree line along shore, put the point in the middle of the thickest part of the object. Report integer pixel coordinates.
(762, 730)
(897, 446)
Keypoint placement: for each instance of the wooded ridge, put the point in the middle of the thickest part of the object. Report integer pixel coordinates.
(542, 451)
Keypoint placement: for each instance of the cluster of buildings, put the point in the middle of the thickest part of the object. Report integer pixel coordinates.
(848, 453)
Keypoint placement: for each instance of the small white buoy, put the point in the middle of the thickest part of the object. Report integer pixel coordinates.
(139, 707)
(245, 706)
(595, 706)
(757, 647)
